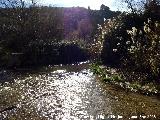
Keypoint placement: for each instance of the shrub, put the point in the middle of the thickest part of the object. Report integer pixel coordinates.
(132, 42)
(114, 37)
(144, 51)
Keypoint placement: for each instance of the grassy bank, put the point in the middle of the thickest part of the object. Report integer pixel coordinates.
(116, 77)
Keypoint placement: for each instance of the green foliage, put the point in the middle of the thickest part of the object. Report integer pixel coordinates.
(106, 74)
(96, 68)
(117, 78)
(136, 86)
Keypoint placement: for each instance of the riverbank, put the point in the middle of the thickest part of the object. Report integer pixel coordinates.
(115, 77)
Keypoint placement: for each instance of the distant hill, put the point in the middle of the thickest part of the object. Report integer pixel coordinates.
(54, 22)
(82, 23)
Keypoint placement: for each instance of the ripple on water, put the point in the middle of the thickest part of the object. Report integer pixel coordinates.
(67, 94)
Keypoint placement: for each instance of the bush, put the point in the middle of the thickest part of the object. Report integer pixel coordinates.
(132, 42)
(41, 53)
(114, 37)
(144, 51)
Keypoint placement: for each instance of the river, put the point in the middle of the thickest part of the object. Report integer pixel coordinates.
(71, 92)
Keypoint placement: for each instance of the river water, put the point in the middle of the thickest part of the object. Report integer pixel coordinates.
(71, 92)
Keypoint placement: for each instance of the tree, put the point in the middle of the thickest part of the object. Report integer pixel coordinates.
(16, 16)
(134, 6)
(85, 28)
(104, 8)
(152, 9)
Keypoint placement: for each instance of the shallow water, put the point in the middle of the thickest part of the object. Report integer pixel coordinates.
(71, 92)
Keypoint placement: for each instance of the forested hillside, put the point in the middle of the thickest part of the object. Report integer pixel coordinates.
(28, 33)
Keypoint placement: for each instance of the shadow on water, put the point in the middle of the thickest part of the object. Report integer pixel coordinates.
(71, 92)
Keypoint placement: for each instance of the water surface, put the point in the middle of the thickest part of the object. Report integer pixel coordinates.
(71, 92)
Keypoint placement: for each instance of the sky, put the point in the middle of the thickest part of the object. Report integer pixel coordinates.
(94, 4)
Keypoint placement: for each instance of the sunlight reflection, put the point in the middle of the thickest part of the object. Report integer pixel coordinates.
(64, 94)
(69, 92)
